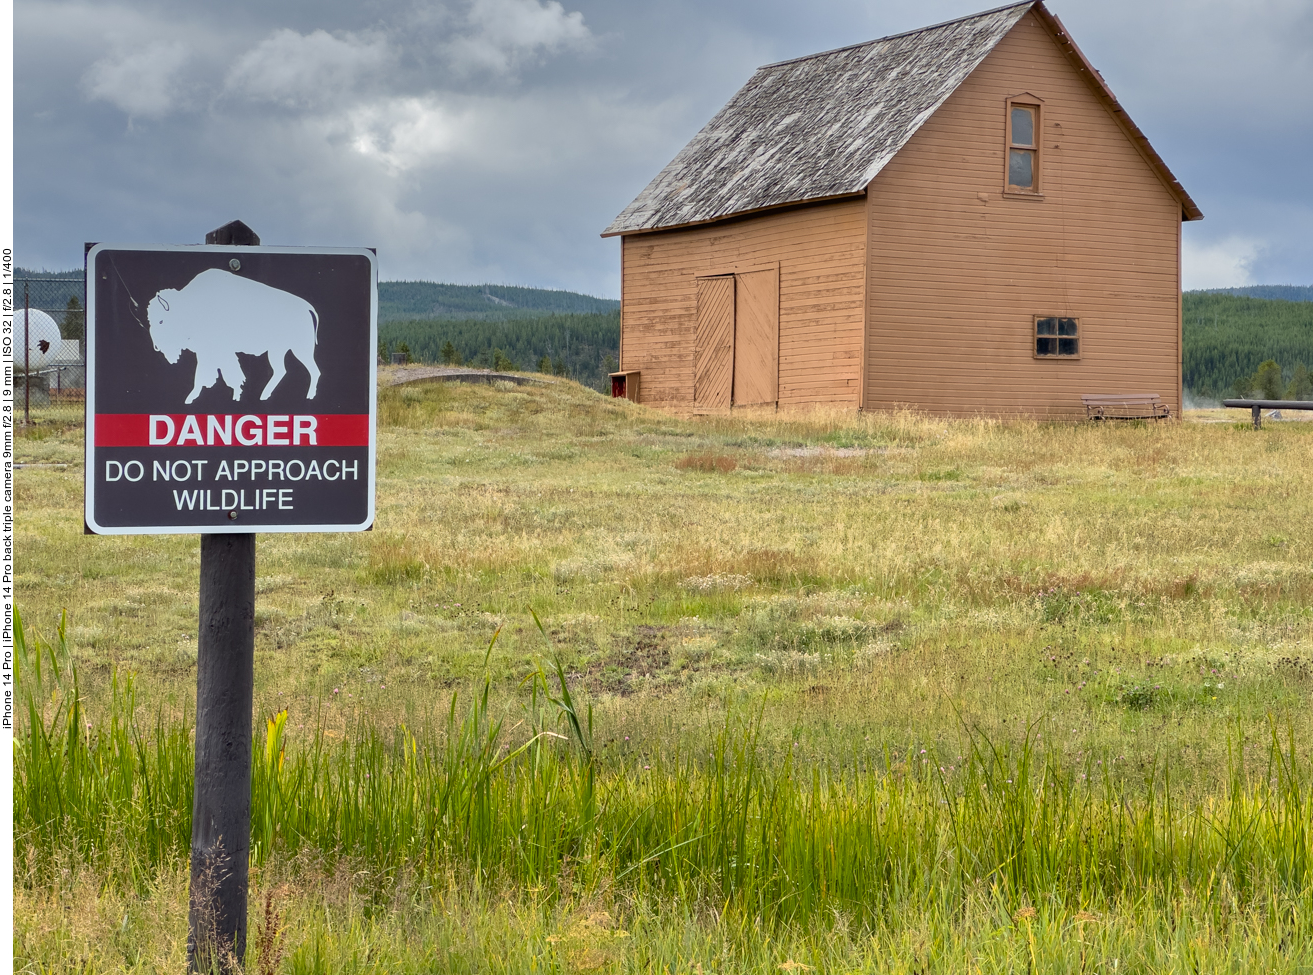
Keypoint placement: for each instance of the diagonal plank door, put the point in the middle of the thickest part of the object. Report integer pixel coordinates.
(713, 353)
(757, 338)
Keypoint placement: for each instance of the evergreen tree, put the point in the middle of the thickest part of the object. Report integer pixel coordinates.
(404, 349)
(450, 356)
(1301, 383)
(501, 362)
(74, 324)
(1267, 381)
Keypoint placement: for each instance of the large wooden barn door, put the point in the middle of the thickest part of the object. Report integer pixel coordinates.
(757, 338)
(713, 352)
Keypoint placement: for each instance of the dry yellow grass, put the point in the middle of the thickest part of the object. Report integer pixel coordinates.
(887, 575)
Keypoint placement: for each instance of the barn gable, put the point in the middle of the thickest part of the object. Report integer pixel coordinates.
(822, 127)
(959, 266)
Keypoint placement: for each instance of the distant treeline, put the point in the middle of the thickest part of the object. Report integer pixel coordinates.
(427, 300)
(1228, 337)
(583, 347)
(1273, 292)
(396, 299)
(26, 272)
(48, 289)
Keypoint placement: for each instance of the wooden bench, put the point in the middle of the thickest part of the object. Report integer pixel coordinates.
(1125, 406)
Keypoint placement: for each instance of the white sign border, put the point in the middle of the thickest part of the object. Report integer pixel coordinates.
(233, 528)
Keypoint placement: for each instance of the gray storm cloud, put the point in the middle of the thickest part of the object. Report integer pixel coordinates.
(141, 83)
(503, 33)
(490, 140)
(306, 70)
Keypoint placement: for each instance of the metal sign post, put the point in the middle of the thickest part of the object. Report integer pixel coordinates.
(230, 390)
(27, 358)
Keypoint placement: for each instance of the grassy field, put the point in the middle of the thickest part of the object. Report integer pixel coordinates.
(842, 693)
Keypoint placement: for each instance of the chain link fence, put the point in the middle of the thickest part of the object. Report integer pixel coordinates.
(50, 349)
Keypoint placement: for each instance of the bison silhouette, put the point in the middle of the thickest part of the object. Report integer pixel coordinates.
(219, 314)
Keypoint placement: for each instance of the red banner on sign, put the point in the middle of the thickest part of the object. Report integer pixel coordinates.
(232, 430)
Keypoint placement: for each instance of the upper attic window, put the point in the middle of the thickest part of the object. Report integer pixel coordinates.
(1023, 162)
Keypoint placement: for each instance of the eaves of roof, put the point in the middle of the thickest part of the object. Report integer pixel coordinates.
(1189, 209)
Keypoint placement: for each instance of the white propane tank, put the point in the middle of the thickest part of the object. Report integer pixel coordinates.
(43, 339)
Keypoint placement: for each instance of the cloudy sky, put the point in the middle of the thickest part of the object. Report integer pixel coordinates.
(492, 140)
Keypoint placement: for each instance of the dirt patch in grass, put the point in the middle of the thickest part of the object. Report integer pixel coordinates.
(634, 658)
(707, 462)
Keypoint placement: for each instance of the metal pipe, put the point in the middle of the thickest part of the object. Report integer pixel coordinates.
(1270, 404)
(1257, 406)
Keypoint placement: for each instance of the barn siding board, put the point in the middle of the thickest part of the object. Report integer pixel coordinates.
(954, 281)
(820, 252)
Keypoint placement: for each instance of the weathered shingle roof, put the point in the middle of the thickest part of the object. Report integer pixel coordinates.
(816, 127)
(823, 126)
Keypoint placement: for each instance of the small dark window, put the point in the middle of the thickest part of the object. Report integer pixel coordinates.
(1057, 336)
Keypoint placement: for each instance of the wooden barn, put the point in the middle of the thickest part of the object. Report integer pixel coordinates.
(961, 219)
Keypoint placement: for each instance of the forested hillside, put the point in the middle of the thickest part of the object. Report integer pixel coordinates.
(489, 302)
(48, 289)
(1273, 292)
(501, 327)
(583, 347)
(402, 299)
(1227, 337)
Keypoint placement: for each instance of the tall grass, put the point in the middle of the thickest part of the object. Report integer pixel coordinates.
(93, 788)
(537, 806)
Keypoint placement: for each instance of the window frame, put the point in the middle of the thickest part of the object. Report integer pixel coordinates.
(1036, 106)
(1050, 357)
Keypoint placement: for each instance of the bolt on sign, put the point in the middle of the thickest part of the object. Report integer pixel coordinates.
(230, 389)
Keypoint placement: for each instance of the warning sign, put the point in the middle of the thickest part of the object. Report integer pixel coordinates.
(230, 389)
